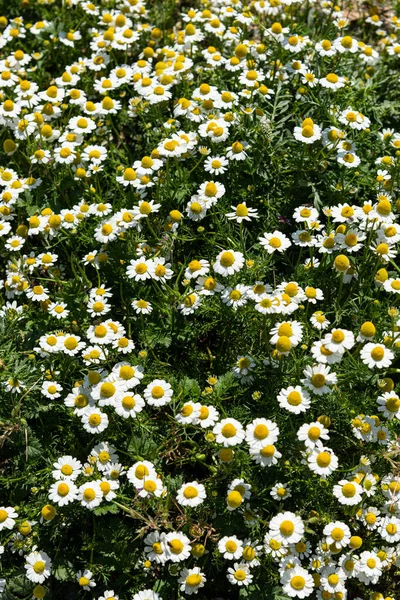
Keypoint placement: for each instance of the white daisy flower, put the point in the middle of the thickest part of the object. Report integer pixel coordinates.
(229, 432)
(376, 355)
(312, 434)
(191, 494)
(348, 492)
(63, 492)
(67, 467)
(274, 242)
(228, 262)
(90, 494)
(287, 528)
(7, 517)
(322, 461)
(297, 582)
(38, 566)
(158, 393)
(318, 378)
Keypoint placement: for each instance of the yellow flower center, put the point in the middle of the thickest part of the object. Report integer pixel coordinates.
(39, 566)
(268, 451)
(141, 268)
(3, 515)
(249, 553)
(337, 534)
(377, 353)
(105, 488)
(234, 499)
(70, 343)
(190, 492)
(391, 528)
(240, 575)
(318, 380)
(275, 242)
(157, 392)
(89, 494)
(176, 546)
(324, 459)
(261, 431)
(242, 210)
(193, 580)
(283, 344)
(349, 490)
(157, 548)
(294, 398)
(286, 528)
(297, 582)
(107, 390)
(150, 486)
(333, 579)
(307, 131)
(285, 329)
(227, 259)
(128, 402)
(66, 470)
(332, 77)
(95, 419)
(63, 489)
(228, 430)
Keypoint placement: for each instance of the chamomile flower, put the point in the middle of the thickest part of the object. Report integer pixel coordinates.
(297, 582)
(191, 580)
(189, 413)
(191, 494)
(67, 467)
(51, 389)
(369, 568)
(177, 546)
(389, 529)
(208, 416)
(158, 393)
(280, 492)
(128, 405)
(337, 533)
(146, 595)
(294, 399)
(216, 165)
(85, 579)
(308, 133)
(230, 547)
(241, 213)
(389, 405)
(59, 310)
(7, 517)
(229, 432)
(318, 378)
(63, 492)
(94, 420)
(312, 434)
(287, 528)
(90, 494)
(322, 461)
(108, 594)
(274, 242)
(38, 566)
(266, 456)
(348, 492)
(240, 575)
(376, 356)
(339, 340)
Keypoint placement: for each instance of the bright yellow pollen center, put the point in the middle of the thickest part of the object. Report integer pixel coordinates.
(324, 459)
